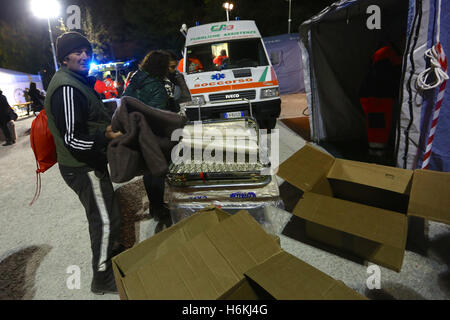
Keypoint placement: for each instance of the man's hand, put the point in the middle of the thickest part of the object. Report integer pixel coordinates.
(110, 134)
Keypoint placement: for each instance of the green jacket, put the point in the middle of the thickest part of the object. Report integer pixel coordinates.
(96, 114)
(149, 90)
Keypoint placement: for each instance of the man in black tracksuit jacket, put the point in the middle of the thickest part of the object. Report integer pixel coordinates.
(80, 125)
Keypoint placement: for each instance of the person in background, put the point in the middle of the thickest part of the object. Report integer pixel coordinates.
(147, 84)
(27, 99)
(111, 91)
(180, 66)
(100, 86)
(170, 83)
(193, 65)
(127, 80)
(37, 97)
(218, 60)
(120, 85)
(81, 128)
(176, 86)
(6, 115)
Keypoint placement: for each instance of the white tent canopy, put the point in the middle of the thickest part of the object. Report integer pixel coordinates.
(13, 83)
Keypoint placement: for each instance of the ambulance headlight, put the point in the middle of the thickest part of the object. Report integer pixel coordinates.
(197, 100)
(269, 93)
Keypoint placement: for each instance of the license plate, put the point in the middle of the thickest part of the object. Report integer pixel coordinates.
(235, 114)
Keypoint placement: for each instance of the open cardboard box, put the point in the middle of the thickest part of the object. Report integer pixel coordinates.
(363, 208)
(214, 255)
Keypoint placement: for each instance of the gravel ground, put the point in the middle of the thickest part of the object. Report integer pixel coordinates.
(38, 244)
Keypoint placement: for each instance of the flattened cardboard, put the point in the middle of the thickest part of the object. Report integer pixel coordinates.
(131, 259)
(430, 195)
(212, 264)
(148, 250)
(195, 270)
(288, 278)
(205, 266)
(241, 291)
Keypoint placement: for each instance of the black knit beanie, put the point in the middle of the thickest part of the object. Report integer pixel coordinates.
(68, 42)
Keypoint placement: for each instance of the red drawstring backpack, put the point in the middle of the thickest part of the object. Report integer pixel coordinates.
(43, 147)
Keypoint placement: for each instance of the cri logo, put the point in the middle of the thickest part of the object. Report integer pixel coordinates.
(217, 76)
(218, 27)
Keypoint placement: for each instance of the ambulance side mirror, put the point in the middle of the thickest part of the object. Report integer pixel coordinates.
(275, 58)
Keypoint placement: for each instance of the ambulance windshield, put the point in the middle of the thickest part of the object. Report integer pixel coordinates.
(233, 54)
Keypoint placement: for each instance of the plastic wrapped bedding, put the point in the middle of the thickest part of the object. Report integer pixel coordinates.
(183, 202)
(257, 209)
(267, 192)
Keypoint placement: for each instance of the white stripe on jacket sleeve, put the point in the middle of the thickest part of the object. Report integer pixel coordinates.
(70, 122)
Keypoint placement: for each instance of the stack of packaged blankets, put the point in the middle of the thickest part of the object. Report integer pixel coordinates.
(221, 163)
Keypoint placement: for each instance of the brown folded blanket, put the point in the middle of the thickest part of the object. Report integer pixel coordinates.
(145, 146)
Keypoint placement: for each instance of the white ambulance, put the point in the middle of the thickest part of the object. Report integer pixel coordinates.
(226, 65)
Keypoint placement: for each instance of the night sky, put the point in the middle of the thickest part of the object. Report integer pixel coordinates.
(126, 29)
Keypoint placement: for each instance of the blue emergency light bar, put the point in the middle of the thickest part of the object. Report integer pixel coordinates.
(94, 66)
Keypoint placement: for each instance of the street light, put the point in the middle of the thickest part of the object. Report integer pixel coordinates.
(228, 7)
(47, 9)
(289, 19)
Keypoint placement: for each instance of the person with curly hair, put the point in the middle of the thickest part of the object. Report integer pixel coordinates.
(147, 84)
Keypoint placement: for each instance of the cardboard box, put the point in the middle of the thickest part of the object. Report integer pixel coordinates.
(364, 208)
(213, 255)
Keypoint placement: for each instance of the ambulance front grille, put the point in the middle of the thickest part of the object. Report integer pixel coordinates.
(248, 94)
